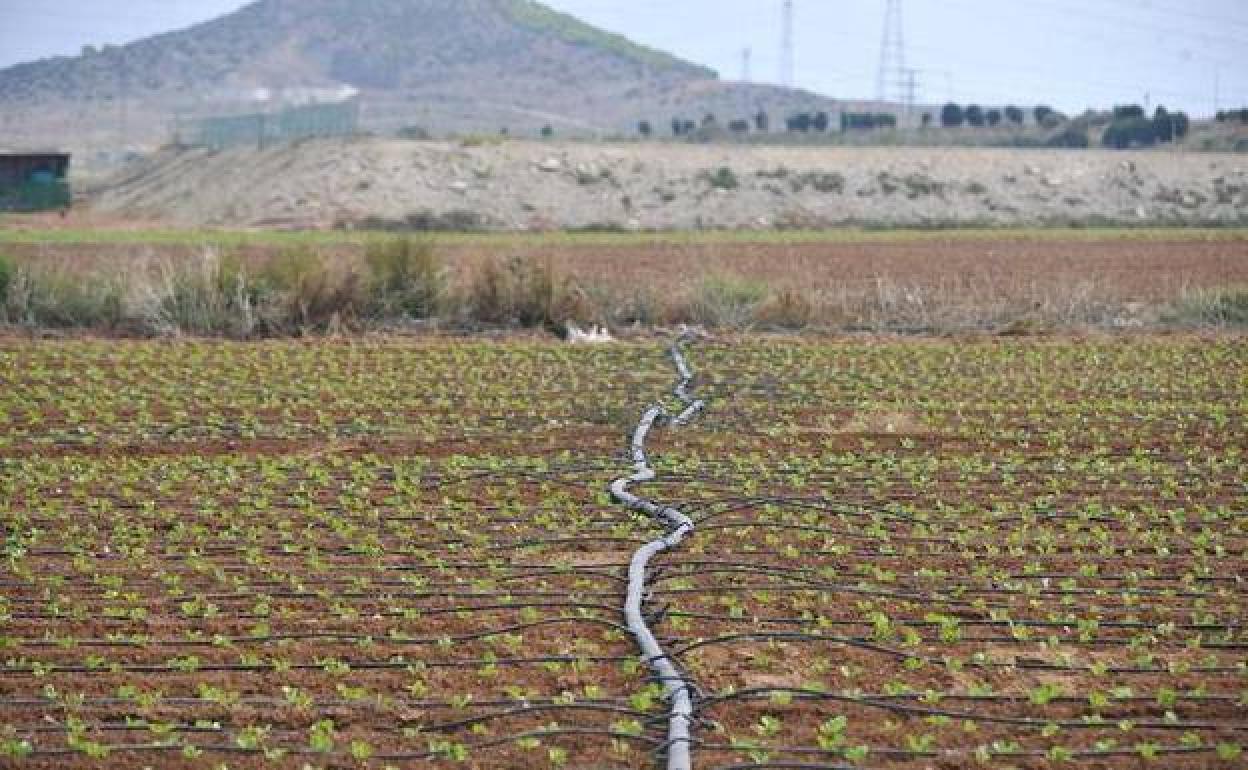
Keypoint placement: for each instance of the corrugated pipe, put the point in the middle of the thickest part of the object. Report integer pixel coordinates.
(677, 690)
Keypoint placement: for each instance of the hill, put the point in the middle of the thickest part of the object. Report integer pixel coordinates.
(517, 185)
(445, 65)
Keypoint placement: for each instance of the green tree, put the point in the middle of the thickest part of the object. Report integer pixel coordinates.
(1163, 125)
(1182, 124)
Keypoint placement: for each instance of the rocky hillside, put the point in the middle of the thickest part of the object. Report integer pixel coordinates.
(445, 65)
(539, 185)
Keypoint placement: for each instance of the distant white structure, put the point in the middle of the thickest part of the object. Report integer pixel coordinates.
(284, 97)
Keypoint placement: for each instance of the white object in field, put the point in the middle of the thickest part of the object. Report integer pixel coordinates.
(597, 335)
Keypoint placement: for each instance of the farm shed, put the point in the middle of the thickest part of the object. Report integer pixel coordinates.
(34, 181)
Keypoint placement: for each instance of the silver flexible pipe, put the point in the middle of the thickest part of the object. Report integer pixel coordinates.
(675, 687)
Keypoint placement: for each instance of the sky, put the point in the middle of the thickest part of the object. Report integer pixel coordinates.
(1072, 54)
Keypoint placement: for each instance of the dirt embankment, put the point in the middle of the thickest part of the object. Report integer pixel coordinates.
(535, 186)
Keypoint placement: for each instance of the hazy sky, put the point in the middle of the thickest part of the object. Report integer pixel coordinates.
(1070, 53)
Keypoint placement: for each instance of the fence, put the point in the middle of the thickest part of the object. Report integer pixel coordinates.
(265, 128)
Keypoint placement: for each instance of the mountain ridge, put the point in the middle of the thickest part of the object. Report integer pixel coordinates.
(449, 66)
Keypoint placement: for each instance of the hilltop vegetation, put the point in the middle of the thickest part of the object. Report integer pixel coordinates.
(567, 27)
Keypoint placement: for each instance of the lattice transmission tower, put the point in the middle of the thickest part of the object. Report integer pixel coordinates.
(787, 55)
(893, 78)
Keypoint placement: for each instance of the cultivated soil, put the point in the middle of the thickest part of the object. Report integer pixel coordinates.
(908, 554)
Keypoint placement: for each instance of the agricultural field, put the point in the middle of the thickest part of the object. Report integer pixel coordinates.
(384, 552)
(109, 277)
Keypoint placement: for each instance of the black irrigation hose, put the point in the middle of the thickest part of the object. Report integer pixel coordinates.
(925, 711)
(328, 636)
(787, 766)
(422, 612)
(903, 754)
(233, 748)
(797, 636)
(677, 689)
(353, 665)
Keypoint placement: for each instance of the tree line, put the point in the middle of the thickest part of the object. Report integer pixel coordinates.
(1131, 126)
(1127, 125)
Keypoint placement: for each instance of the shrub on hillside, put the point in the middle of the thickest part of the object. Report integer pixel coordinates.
(722, 178)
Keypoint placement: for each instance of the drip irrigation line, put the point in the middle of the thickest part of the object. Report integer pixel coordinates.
(381, 640)
(787, 766)
(925, 712)
(963, 589)
(533, 709)
(697, 567)
(234, 749)
(1026, 664)
(904, 754)
(389, 613)
(353, 665)
(677, 690)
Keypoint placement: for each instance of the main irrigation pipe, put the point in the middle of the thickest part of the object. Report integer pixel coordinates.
(676, 688)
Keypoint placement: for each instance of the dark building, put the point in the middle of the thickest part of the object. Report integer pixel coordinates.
(34, 181)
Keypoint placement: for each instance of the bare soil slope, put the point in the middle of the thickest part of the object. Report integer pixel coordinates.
(534, 186)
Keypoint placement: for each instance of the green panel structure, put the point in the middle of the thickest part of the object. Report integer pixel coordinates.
(34, 182)
(263, 129)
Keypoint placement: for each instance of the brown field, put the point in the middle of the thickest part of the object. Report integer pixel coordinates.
(924, 282)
